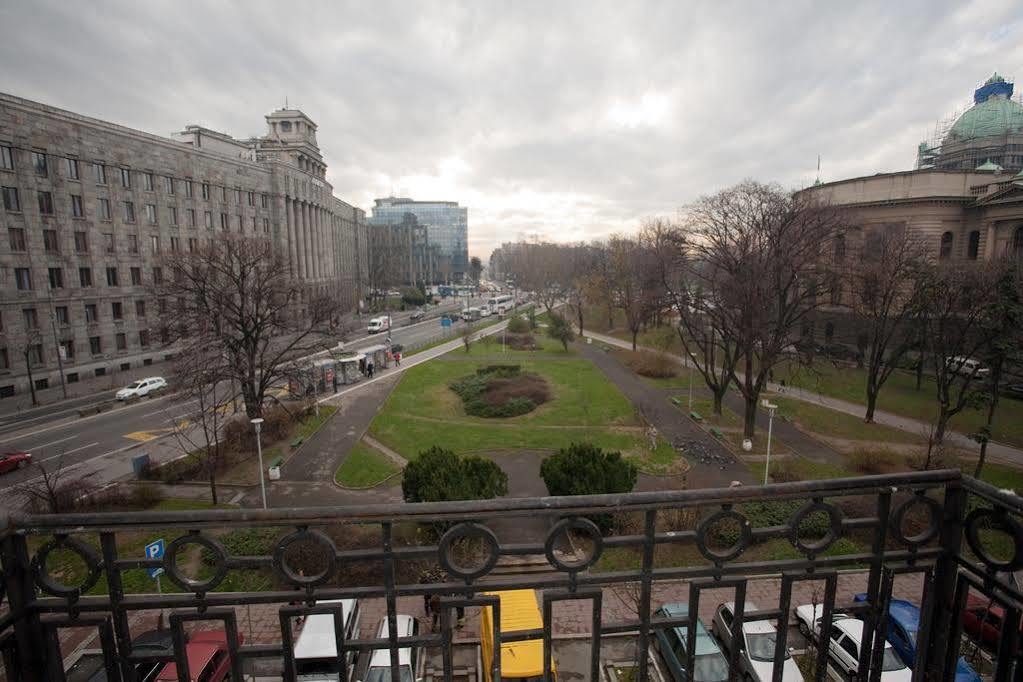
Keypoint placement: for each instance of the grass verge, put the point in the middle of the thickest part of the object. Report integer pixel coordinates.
(365, 467)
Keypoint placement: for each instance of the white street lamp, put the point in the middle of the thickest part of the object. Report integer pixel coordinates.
(692, 357)
(257, 423)
(771, 407)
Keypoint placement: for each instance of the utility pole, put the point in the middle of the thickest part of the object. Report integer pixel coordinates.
(60, 351)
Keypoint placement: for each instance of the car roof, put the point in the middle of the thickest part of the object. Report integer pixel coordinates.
(199, 656)
(381, 658)
(677, 609)
(317, 639)
(850, 626)
(906, 614)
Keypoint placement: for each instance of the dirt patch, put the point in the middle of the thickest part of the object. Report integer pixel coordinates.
(530, 386)
(649, 363)
(521, 341)
(501, 391)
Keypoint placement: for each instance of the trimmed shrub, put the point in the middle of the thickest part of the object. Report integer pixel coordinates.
(560, 329)
(518, 325)
(521, 342)
(501, 391)
(439, 475)
(585, 469)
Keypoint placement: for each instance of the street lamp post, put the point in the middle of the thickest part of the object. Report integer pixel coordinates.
(771, 407)
(692, 358)
(257, 423)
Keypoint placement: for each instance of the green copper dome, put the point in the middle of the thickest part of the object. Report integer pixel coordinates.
(989, 165)
(993, 114)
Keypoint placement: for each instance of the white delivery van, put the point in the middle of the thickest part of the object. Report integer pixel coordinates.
(409, 658)
(379, 324)
(316, 648)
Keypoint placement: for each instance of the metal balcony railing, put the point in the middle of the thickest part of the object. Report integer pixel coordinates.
(938, 525)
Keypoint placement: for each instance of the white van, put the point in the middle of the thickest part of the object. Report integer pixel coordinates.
(379, 324)
(967, 367)
(409, 659)
(316, 648)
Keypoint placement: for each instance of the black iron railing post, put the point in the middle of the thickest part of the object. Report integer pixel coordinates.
(28, 631)
(943, 616)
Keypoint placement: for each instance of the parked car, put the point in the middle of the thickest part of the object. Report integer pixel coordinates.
(844, 642)
(416, 315)
(316, 656)
(755, 644)
(90, 666)
(967, 367)
(16, 459)
(1013, 391)
(709, 664)
(208, 660)
(141, 388)
(903, 624)
(408, 657)
(982, 620)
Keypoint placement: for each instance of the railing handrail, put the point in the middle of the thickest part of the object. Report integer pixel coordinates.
(17, 522)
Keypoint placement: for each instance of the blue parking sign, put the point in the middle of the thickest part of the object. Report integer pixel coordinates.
(154, 550)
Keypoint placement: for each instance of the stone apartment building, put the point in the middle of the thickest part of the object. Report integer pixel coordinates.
(88, 207)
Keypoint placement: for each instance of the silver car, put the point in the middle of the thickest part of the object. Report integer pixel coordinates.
(756, 645)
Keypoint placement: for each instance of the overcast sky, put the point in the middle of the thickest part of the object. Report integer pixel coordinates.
(562, 120)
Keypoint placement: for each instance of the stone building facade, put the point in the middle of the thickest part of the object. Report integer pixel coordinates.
(88, 207)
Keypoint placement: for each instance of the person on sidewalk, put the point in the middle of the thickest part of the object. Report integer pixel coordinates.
(369, 368)
(397, 359)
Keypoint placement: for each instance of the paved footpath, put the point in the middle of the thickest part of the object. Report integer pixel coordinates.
(651, 402)
(997, 452)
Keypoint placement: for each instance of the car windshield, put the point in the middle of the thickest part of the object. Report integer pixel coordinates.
(710, 668)
(760, 646)
(135, 384)
(891, 660)
(381, 673)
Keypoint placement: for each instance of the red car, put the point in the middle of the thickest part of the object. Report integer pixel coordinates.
(9, 461)
(207, 658)
(982, 620)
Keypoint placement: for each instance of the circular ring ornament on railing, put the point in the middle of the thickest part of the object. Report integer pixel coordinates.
(834, 527)
(745, 536)
(297, 579)
(468, 530)
(170, 563)
(926, 535)
(564, 526)
(1008, 524)
(47, 583)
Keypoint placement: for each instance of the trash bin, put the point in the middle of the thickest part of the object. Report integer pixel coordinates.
(274, 473)
(139, 464)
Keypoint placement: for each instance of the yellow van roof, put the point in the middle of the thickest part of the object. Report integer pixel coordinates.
(519, 611)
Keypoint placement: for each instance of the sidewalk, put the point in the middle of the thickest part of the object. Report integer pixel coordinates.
(997, 452)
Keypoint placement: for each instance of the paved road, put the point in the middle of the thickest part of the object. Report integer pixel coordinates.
(55, 433)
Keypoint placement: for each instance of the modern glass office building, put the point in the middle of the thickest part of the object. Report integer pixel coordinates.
(448, 225)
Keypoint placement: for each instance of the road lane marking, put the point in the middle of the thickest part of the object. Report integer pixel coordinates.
(84, 419)
(46, 445)
(66, 452)
(146, 436)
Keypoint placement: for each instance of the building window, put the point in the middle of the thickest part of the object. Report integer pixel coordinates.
(253, 222)
(129, 212)
(81, 242)
(191, 217)
(85, 277)
(45, 200)
(174, 244)
(140, 309)
(206, 191)
(241, 224)
(99, 172)
(5, 362)
(111, 277)
(100, 371)
(264, 200)
(223, 194)
(168, 184)
(223, 221)
(50, 242)
(188, 189)
(63, 318)
(192, 243)
(11, 200)
(151, 214)
(173, 215)
(136, 277)
(117, 310)
(23, 278)
(252, 198)
(947, 240)
(121, 341)
(67, 349)
(95, 345)
(133, 243)
(39, 163)
(1017, 241)
(35, 357)
(16, 236)
(148, 182)
(30, 317)
(91, 314)
(157, 275)
(71, 166)
(77, 207)
(104, 208)
(108, 241)
(6, 158)
(973, 248)
(266, 226)
(56, 278)
(144, 338)
(154, 244)
(209, 220)
(125, 178)
(238, 195)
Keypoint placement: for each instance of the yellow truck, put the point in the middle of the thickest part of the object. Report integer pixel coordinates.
(520, 661)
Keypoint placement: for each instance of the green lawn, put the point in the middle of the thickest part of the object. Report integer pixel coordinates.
(364, 467)
(828, 422)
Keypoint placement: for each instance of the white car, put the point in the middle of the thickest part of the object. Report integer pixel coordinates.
(967, 367)
(379, 324)
(756, 648)
(844, 644)
(141, 388)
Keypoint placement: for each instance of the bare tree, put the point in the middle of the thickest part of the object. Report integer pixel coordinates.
(31, 351)
(237, 297)
(758, 250)
(53, 492)
(538, 268)
(632, 285)
(885, 282)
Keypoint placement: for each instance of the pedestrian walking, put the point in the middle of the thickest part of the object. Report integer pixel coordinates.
(397, 359)
(369, 368)
(335, 382)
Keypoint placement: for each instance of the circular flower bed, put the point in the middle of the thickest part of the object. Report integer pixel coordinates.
(501, 391)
